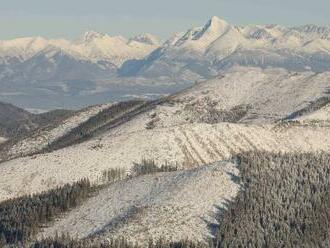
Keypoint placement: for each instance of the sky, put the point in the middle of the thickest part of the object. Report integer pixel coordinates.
(71, 18)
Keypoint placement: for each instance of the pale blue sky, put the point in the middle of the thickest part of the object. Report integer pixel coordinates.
(70, 18)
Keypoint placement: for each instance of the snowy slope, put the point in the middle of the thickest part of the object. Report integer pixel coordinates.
(174, 205)
(188, 145)
(2, 139)
(181, 130)
(21, 48)
(266, 95)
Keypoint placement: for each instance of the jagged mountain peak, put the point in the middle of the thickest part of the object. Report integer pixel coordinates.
(214, 27)
(201, 37)
(215, 22)
(147, 38)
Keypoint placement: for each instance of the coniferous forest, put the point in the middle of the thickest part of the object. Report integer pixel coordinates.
(23, 217)
(285, 202)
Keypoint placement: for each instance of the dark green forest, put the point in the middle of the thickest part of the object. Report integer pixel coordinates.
(285, 202)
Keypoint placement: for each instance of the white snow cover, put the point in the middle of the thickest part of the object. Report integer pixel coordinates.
(92, 46)
(174, 206)
(203, 52)
(179, 136)
(272, 94)
(216, 39)
(219, 37)
(200, 38)
(2, 139)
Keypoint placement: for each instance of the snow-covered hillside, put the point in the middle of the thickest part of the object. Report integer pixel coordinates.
(39, 140)
(174, 206)
(263, 96)
(188, 145)
(267, 95)
(188, 128)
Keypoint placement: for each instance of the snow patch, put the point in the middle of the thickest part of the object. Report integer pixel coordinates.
(2, 139)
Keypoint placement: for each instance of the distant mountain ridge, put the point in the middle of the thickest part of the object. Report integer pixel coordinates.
(91, 46)
(219, 45)
(217, 39)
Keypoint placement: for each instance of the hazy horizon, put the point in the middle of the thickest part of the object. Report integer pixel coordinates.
(63, 19)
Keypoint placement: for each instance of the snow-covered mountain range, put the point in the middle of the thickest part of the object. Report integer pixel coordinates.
(96, 65)
(204, 51)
